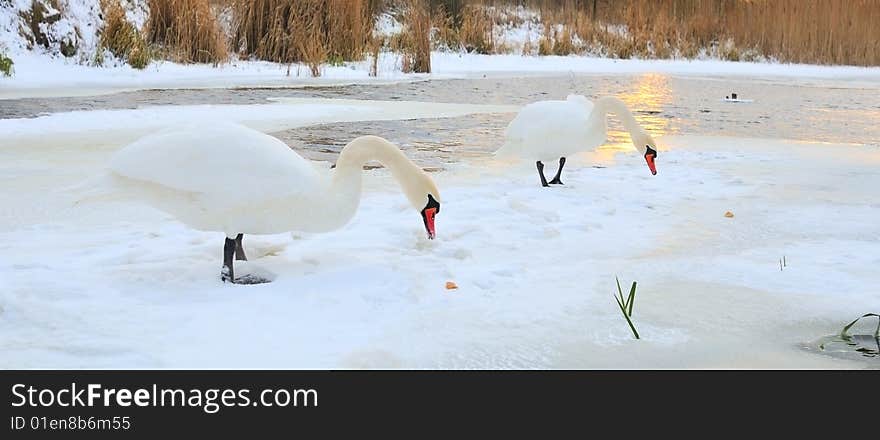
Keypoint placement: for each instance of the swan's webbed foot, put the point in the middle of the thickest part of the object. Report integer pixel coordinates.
(226, 275)
(251, 279)
(540, 166)
(557, 180)
(239, 249)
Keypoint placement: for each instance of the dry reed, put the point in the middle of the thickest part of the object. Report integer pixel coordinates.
(414, 42)
(317, 31)
(121, 38)
(187, 31)
(375, 47)
(804, 31)
(310, 31)
(476, 32)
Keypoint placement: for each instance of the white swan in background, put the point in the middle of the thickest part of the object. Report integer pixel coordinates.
(236, 180)
(550, 130)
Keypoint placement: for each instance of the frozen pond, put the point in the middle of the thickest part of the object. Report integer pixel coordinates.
(120, 285)
(801, 109)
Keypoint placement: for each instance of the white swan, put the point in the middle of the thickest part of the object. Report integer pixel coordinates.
(550, 130)
(236, 180)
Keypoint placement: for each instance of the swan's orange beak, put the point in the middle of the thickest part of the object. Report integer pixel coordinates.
(428, 216)
(649, 157)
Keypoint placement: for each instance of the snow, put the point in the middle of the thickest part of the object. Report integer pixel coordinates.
(387, 26)
(280, 114)
(444, 63)
(10, 39)
(80, 20)
(137, 12)
(38, 75)
(117, 284)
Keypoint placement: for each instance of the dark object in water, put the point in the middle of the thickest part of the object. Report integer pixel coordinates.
(850, 346)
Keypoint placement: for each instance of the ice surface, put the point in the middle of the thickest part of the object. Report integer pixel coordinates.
(119, 285)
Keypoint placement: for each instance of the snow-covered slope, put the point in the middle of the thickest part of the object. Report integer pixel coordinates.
(74, 23)
(41, 70)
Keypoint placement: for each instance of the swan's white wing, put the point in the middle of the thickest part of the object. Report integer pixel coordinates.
(548, 130)
(224, 160)
(541, 116)
(596, 128)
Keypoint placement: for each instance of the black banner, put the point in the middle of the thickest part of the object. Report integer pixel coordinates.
(61, 404)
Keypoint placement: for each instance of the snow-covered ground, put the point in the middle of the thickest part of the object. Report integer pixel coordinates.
(117, 284)
(39, 75)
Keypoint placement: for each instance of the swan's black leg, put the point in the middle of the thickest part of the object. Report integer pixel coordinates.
(227, 273)
(556, 180)
(239, 250)
(541, 173)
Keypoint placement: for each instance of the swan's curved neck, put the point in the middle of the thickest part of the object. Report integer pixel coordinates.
(347, 181)
(610, 104)
(366, 148)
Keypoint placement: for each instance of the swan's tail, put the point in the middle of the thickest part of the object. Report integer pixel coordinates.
(95, 189)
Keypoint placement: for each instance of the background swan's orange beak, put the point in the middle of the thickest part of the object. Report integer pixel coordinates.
(650, 159)
(428, 215)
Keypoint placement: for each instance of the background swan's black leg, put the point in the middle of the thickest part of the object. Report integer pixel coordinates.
(227, 273)
(239, 250)
(540, 166)
(556, 180)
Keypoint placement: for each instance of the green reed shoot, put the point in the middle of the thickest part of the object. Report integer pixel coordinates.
(844, 333)
(626, 305)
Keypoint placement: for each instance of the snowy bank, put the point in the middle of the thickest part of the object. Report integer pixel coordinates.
(43, 76)
(38, 75)
(454, 63)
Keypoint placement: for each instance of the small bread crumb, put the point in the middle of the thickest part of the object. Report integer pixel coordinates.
(728, 214)
(450, 285)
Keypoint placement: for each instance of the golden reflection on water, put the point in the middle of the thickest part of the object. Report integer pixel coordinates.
(647, 98)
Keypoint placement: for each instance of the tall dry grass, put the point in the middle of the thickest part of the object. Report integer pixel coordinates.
(319, 31)
(803, 31)
(187, 31)
(310, 31)
(414, 43)
(375, 47)
(826, 31)
(121, 38)
(471, 28)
